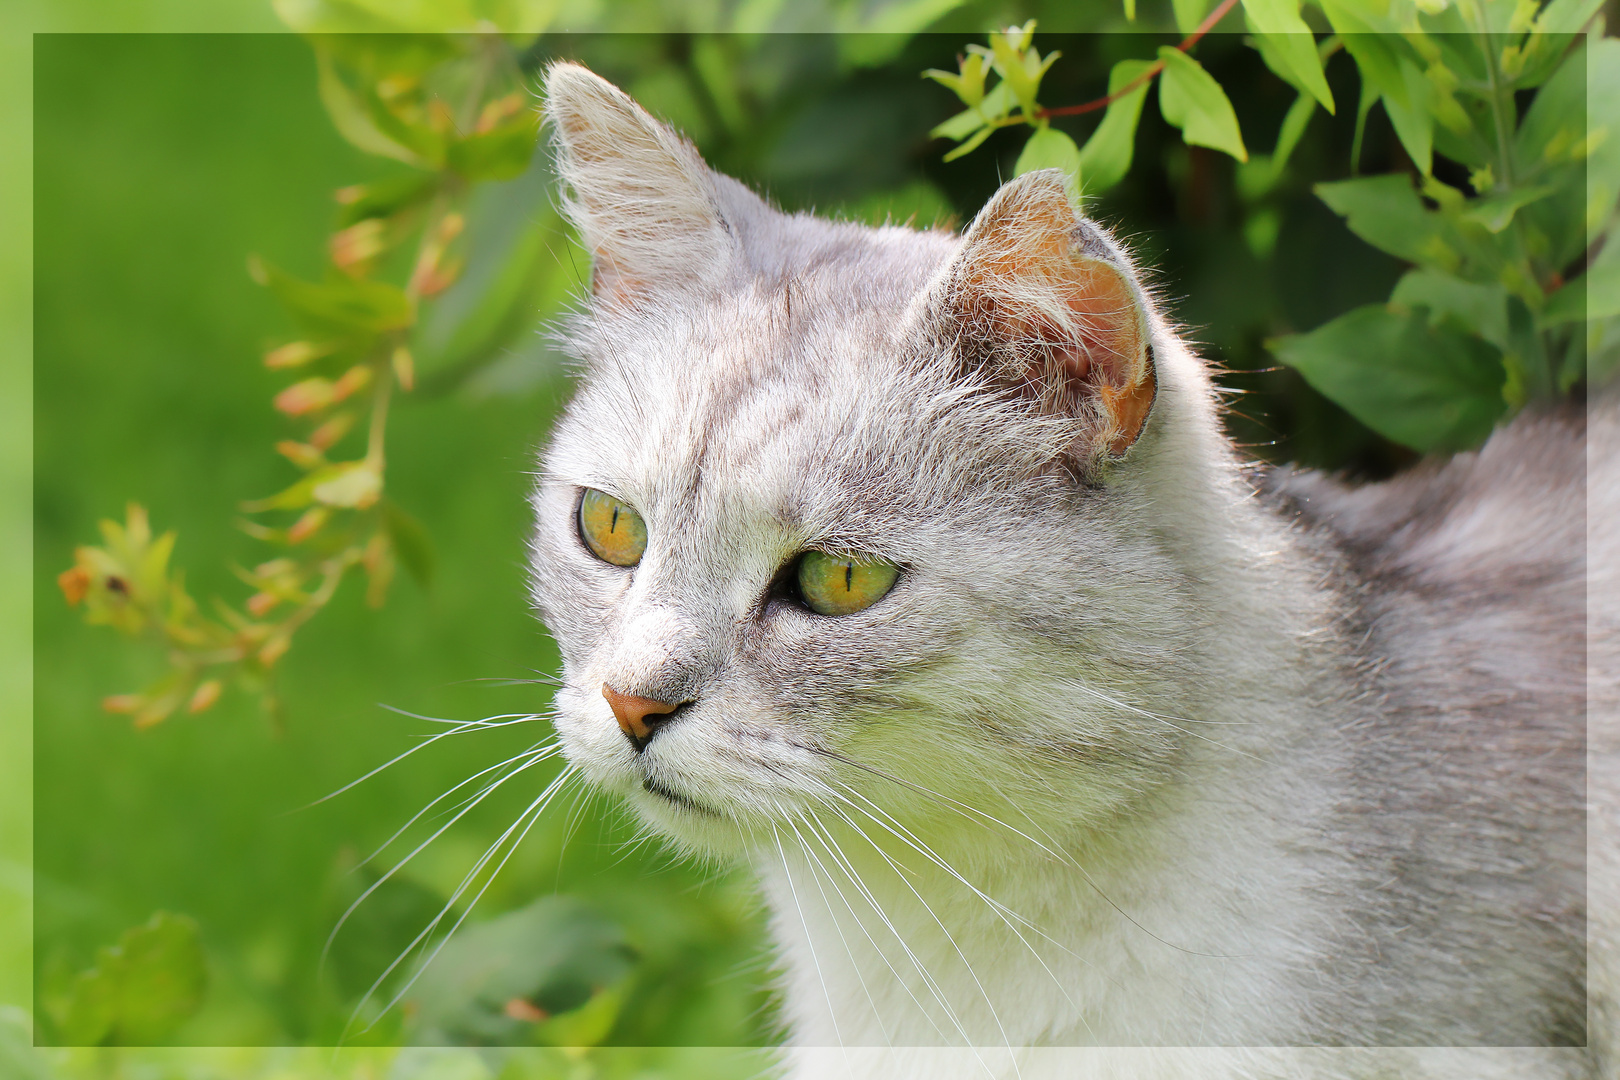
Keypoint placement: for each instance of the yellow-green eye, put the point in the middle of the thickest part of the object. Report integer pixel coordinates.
(613, 531)
(836, 586)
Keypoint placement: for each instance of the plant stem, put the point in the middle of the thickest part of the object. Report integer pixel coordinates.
(1147, 76)
(1504, 133)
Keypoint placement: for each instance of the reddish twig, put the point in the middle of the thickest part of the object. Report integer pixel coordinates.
(1147, 76)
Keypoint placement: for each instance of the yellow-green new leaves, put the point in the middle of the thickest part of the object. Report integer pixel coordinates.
(967, 83)
(1193, 101)
(1288, 46)
(1106, 157)
(1020, 68)
(1019, 65)
(126, 584)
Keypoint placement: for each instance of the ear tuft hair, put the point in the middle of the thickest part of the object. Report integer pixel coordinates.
(642, 198)
(1041, 299)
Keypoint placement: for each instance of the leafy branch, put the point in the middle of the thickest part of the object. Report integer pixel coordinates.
(453, 109)
(1513, 292)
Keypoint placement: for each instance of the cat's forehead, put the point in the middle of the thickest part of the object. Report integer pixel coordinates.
(768, 387)
(741, 399)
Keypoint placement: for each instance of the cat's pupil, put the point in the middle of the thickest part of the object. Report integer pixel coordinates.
(614, 524)
(849, 575)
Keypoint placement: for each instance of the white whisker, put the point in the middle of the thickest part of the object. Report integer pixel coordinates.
(787, 871)
(466, 809)
(835, 853)
(853, 962)
(532, 812)
(459, 728)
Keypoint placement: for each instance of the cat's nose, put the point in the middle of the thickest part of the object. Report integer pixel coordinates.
(639, 717)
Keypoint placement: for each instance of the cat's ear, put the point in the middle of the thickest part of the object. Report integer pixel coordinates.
(1039, 300)
(642, 198)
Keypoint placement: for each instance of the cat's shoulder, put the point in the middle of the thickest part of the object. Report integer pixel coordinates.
(1516, 506)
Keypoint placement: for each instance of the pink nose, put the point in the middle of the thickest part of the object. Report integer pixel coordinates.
(633, 712)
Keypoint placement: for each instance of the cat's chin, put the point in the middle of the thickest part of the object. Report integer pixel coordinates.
(693, 825)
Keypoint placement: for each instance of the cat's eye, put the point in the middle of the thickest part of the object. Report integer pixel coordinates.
(834, 585)
(614, 532)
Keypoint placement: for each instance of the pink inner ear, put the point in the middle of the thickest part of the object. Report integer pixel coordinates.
(1097, 363)
(1067, 327)
(1113, 355)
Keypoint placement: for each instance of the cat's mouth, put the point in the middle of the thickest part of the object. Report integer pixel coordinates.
(653, 787)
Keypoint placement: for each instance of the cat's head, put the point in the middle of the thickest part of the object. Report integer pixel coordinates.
(854, 520)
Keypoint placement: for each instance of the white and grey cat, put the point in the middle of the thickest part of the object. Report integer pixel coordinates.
(915, 571)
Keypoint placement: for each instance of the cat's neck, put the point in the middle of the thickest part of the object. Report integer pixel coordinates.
(1177, 925)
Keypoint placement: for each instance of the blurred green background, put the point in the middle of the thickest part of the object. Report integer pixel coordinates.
(162, 162)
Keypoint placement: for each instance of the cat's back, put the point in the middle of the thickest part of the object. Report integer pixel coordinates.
(1465, 591)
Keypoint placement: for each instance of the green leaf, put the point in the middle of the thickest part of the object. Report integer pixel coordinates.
(972, 144)
(1293, 129)
(296, 497)
(1106, 157)
(512, 275)
(1022, 71)
(1189, 13)
(1483, 308)
(500, 154)
(1050, 148)
(347, 484)
(1369, 98)
(1544, 49)
(1593, 295)
(1290, 44)
(588, 1025)
(1496, 212)
(967, 82)
(1385, 61)
(1571, 137)
(547, 959)
(339, 305)
(1566, 16)
(959, 126)
(1372, 41)
(385, 198)
(1427, 386)
(411, 542)
(1412, 116)
(1377, 56)
(1386, 212)
(353, 117)
(996, 104)
(1193, 101)
(140, 989)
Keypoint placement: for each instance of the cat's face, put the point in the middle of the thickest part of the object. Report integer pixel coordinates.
(760, 389)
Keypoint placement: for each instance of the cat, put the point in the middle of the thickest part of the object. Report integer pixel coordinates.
(915, 571)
